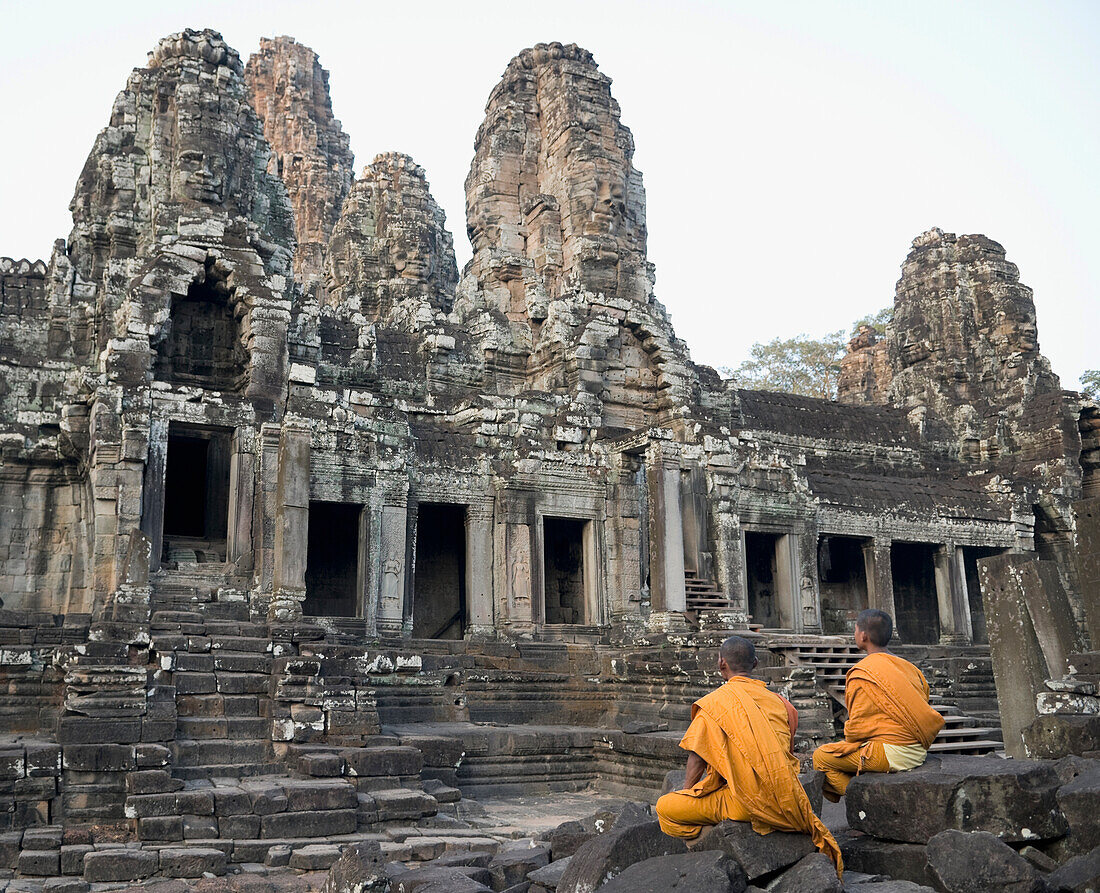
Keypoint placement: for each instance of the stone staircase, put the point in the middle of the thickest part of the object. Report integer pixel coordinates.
(961, 734)
(703, 595)
(236, 779)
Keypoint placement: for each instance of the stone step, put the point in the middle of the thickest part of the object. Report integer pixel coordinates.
(200, 753)
(221, 771)
(207, 728)
(967, 747)
(967, 734)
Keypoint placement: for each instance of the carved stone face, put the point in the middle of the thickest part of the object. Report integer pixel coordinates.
(199, 177)
(413, 254)
(914, 351)
(1014, 336)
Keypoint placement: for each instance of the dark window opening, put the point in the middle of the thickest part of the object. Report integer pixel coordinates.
(196, 495)
(843, 577)
(971, 556)
(563, 579)
(439, 575)
(332, 560)
(203, 344)
(915, 601)
(762, 579)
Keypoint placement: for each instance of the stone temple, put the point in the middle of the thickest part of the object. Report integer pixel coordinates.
(305, 533)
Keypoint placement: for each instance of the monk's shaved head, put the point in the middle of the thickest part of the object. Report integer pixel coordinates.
(877, 625)
(739, 654)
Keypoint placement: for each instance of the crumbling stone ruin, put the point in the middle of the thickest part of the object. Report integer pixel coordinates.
(313, 546)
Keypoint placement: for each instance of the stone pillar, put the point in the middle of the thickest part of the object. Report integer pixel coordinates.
(962, 595)
(479, 570)
(592, 545)
(392, 554)
(366, 605)
(787, 579)
(809, 601)
(668, 593)
(514, 577)
(266, 507)
(729, 565)
(952, 603)
(152, 502)
(242, 497)
(880, 578)
(291, 525)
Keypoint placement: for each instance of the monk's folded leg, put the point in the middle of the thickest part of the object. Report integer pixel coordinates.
(841, 764)
(682, 815)
(839, 768)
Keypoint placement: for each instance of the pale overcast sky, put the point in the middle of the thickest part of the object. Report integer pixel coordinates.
(790, 150)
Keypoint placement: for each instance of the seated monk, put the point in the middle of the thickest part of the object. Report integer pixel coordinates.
(890, 723)
(740, 765)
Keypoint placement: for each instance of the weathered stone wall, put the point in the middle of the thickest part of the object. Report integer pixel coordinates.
(547, 384)
(312, 155)
(391, 243)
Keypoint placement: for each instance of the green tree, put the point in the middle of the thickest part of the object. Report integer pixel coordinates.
(876, 321)
(1090, 383)
(801, 365)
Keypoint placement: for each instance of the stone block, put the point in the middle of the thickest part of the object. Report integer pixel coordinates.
(512, 866)
(99, 758)
(549, 877)
(441, 880)
(1053, 736)
(231, 801)
(702, 872)
(10, 844)
(102, 866)
(199, 827)
(319, 794)
(1081, 874)
(147, 756)
(977, 861)
(39, 863)
(266, 798)
(152, 781)
(314, 857)
(813, 874)
(308, 824)
(383, 761)
(66, 885)
(612, 852)
(1079, 801)
(192, 862)
(239, 827)
(762, 856)
(278, 856)
(167, 827)
(1014, 799)
(866, 854)
(42, 838)
(72, 857)
(402, 803)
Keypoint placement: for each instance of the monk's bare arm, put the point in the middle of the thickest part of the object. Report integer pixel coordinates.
(695, 768)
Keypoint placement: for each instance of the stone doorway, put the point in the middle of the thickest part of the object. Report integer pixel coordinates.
(332, 560)
(915, 599)
(971, 556)
(196, 495)
(842, 573)
(564, 600)
(768, 579)
(439, 573)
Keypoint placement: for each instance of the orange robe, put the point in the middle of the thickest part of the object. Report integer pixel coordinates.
(741, 731)
(887, 700)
